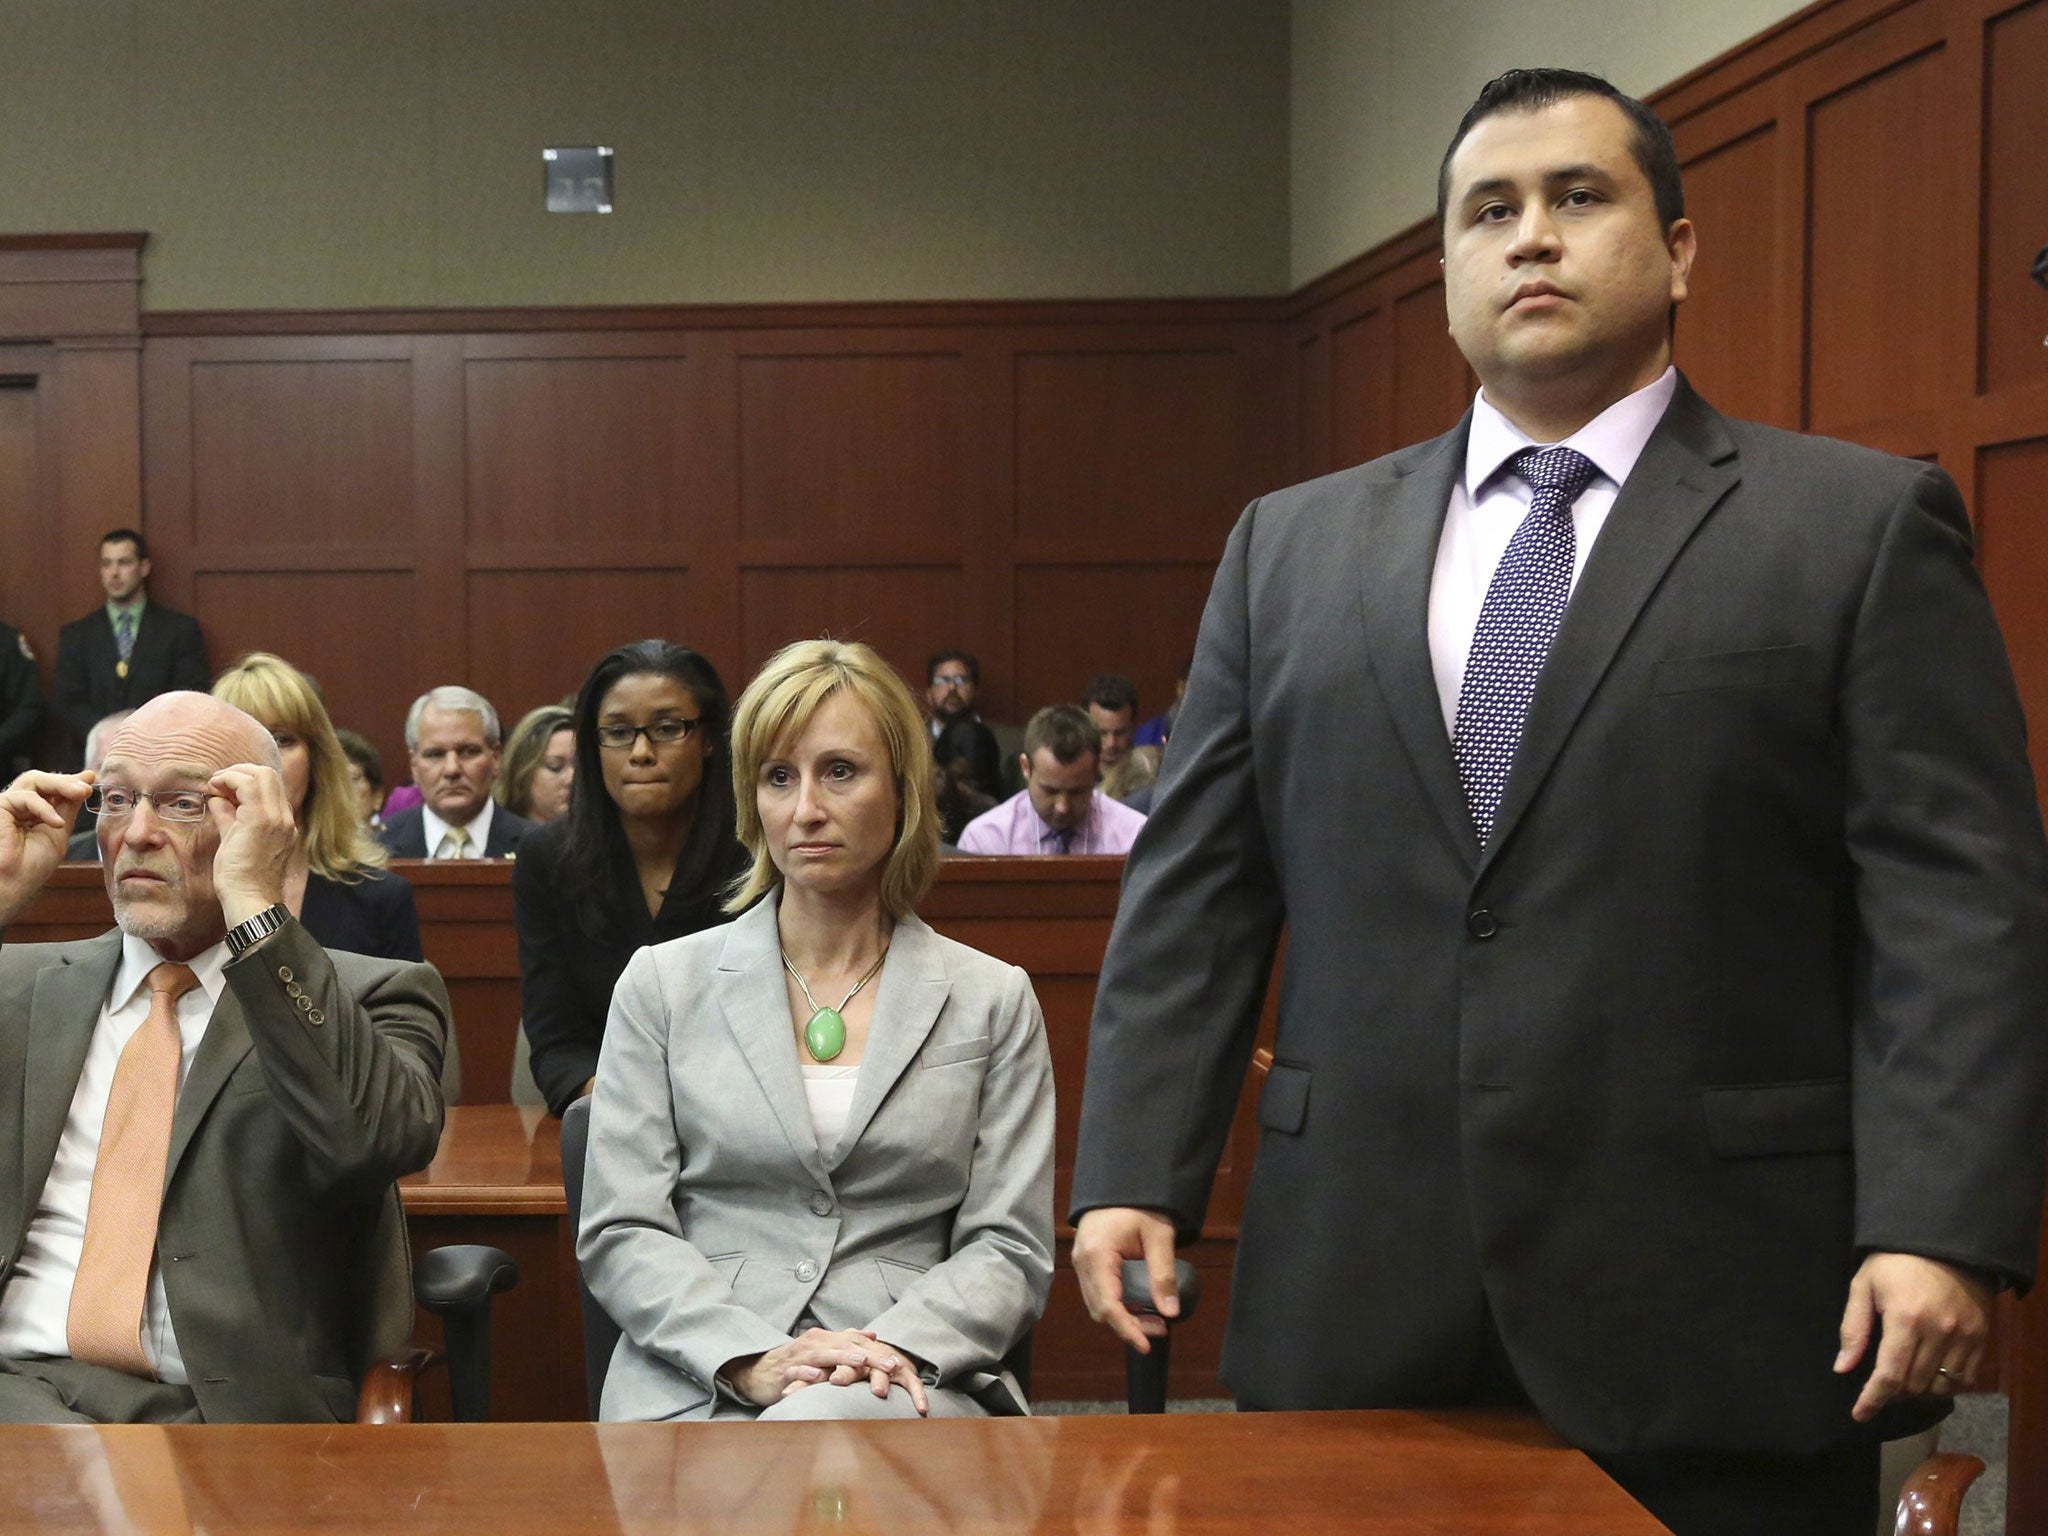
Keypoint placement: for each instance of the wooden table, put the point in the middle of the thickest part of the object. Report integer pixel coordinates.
(1353, 1474)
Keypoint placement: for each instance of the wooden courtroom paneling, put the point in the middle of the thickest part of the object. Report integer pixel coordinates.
(2012, 538)
(350, 629)
(1728, 331)
(1361, 402)
(854, 448)
(561, 449)
(1069, 617)
(893, 608)
(2015, 197)
(1432, 385)
(324, 445)
(1135, 450)
(1883, 188)
(534, 634)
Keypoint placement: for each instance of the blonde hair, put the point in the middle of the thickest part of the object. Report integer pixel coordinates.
(777, 706)
(282, 698)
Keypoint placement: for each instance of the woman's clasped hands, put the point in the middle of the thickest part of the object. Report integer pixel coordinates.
(828, 1357)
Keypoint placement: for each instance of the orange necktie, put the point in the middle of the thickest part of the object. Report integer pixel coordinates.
(107, 1296)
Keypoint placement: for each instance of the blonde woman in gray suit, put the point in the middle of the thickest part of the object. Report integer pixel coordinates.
(819, 1182)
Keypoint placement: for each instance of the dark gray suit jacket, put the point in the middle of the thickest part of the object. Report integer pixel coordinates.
(1750, 981)
(169, 654)
(291, 1127)
(404, 836)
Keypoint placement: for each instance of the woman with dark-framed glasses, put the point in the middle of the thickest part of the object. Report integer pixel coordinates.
(643, 855)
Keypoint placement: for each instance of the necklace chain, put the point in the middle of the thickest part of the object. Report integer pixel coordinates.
(866, 976)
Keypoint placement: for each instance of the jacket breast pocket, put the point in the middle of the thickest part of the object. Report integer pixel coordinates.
(956, 1050)
(1283, 1102)
(1770, 667)
(1778, 1119)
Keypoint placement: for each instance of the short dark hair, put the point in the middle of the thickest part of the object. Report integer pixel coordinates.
(1064, 730)
(1531, 90)
(1112, 690)
(965, 658)
(127, 536)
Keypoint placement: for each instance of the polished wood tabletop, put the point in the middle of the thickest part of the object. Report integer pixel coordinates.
(1363, 1473)
(494, 1159)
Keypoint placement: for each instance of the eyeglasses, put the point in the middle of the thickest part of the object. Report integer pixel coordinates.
(112, 803)
(960, 681)
(618, 736)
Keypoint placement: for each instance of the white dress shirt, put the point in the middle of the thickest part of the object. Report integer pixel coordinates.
(478, 830)
(1488, 504)
(35, 1302)
(828, 1093)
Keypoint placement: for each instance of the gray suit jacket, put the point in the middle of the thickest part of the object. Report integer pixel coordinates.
(711, 1219)
(1749, 982)
(291, 1127)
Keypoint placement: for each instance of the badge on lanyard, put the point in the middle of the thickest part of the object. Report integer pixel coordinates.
(121, 668)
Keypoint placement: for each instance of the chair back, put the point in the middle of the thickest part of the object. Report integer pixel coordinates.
(600, 1333)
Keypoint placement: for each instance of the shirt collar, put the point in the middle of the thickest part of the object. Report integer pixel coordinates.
(478, 827)
(134, 605)
(138, 959)
(1046, 832)
(1613, 440)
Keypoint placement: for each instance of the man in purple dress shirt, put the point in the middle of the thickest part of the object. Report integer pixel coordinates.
(1058, 810)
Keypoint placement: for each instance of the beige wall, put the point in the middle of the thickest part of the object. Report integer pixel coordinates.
(1379, 86)
(351, 153)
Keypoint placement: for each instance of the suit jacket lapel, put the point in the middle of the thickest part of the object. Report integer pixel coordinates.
(221, 1050)
(1403, 523)
(748, 987)
(908, 996)
(1686, 468)
(63, 1012)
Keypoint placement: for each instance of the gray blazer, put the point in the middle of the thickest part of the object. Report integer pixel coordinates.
(314, 1089)
(711, 1220)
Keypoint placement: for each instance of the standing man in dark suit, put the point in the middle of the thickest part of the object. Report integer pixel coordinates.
(453, 736)
(204, 1111)
(131, 650)
(1667, 906)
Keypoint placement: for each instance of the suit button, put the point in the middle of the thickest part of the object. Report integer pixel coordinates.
(315, 1017)
(1480, 924)
(305, 1003)
(807, 1271)
(284, 973)
(293, 989)
(821, 1204)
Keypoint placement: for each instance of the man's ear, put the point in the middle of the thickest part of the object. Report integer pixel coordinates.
(1024, 765)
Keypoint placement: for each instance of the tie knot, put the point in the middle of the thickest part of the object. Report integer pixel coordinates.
(175, 979)
(1560, 473)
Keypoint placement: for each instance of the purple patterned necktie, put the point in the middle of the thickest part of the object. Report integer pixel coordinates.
(1517, 622)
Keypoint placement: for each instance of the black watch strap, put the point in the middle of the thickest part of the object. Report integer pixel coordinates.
(256, 929)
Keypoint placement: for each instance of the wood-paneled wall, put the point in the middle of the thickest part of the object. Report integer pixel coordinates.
(400, 501)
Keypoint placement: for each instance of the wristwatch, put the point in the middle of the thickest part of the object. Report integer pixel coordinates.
(256, 929)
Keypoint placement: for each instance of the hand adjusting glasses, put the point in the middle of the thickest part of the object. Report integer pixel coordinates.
(618, 736)
(112, 802)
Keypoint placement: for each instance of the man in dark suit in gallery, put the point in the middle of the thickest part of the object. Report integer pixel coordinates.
(129, 651)
(1650, 819)
(453, 736)
(204, 1111)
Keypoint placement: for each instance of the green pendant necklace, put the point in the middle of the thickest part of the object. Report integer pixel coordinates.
(825, 1033)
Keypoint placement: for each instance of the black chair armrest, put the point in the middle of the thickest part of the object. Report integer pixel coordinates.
(461, 1276)
(1138, 1287)
(457, 1284)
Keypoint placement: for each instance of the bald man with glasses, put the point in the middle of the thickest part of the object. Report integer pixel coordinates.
(202, 1112)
